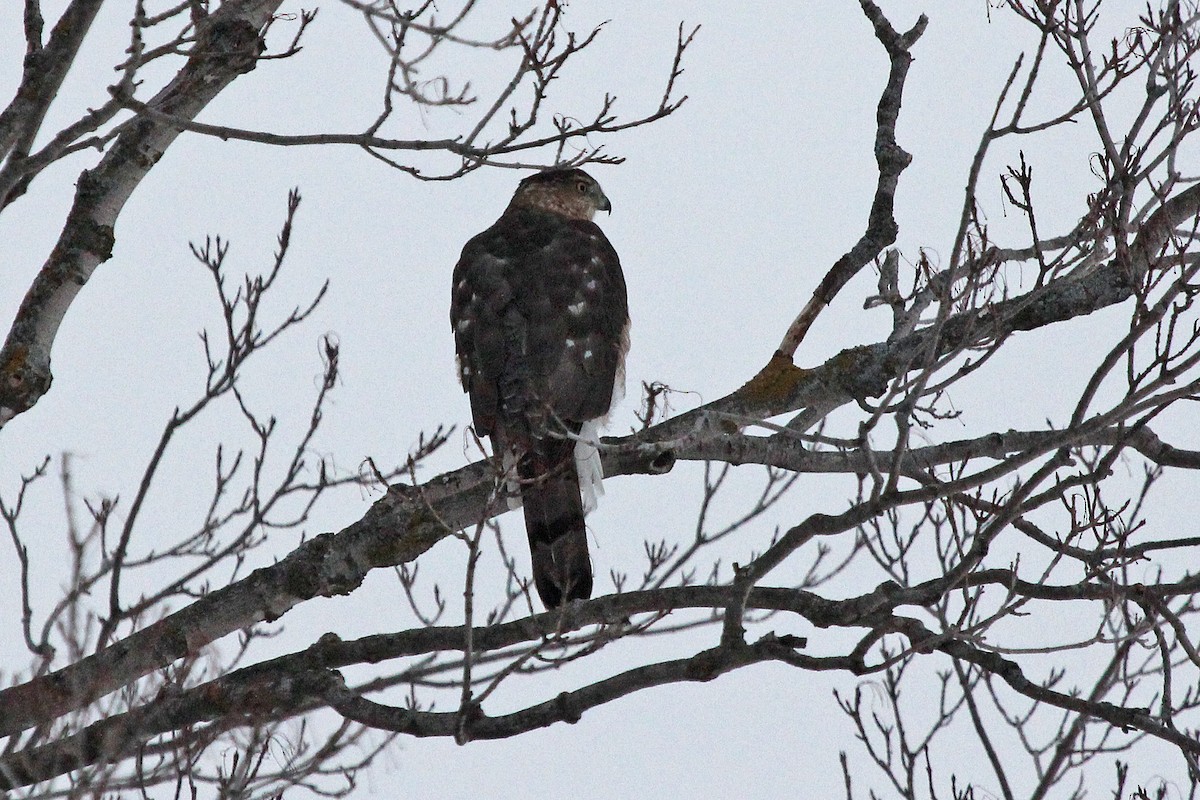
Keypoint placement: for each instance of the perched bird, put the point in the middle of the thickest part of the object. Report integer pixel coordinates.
(541, 327)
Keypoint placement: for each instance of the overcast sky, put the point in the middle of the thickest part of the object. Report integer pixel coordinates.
(725, 216)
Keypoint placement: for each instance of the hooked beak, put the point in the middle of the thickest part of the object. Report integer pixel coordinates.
(604, 204)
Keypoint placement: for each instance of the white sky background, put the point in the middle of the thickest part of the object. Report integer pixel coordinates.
(725, 216)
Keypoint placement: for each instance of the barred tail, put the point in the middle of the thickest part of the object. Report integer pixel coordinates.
(562, 570)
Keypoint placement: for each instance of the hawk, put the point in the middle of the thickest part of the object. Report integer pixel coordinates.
(541, 327)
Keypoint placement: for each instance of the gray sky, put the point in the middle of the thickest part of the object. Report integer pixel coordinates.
(725, 216)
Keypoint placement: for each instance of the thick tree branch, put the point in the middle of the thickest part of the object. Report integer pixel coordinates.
(400, 527)
(786, 450)
(295, 683)
(932, 501)
(44, 70)
(227, 45)
(863, 372)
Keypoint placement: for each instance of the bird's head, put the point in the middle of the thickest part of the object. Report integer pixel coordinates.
(569, 192)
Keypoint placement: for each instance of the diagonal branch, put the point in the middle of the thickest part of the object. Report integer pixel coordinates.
(891, 160)
(228, 45)
(45, 68)
(408, 521)
(295, 683)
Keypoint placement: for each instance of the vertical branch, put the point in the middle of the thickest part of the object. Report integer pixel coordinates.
(891, 160)
(10, 513)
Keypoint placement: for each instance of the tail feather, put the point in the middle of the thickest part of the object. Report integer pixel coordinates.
(554, 520)
(587, 462)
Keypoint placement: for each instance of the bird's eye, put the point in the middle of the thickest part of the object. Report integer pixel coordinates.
(582, 187)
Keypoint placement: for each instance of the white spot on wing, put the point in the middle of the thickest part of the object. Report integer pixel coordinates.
(591, 285)
(462, 325)
(595, 259)
(587, 353)
(571, 342)
(576, 308)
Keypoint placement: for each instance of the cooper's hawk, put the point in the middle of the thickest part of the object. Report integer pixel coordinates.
(541, 327)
